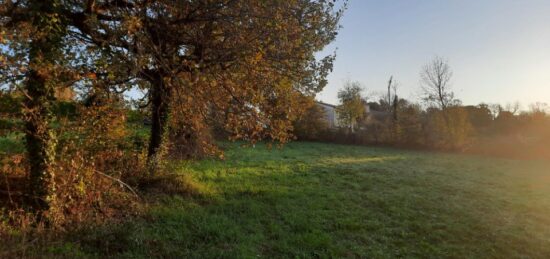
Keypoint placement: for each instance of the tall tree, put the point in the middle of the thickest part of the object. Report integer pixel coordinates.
(389, 99)
(36, 30)
(392, 99)
(352, 105)
(250, 61)
(435, 83)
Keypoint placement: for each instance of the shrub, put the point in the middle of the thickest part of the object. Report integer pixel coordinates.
(93, 162)
(312, 125)
(448, 129)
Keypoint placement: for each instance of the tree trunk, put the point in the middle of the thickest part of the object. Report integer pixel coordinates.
(40, 141)
(40, 90)
(159, 116)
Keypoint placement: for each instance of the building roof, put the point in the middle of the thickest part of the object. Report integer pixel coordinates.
(326, 104)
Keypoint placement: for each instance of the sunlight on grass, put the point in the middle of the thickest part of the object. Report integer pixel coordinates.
(183, 183)
(360, 160)
(310, 200)
(320, 200)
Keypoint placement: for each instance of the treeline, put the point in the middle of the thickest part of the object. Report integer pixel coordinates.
(473, 129)
(439, 122)
(243, 67)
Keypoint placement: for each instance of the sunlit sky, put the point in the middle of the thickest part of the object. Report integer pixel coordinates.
(499, 50)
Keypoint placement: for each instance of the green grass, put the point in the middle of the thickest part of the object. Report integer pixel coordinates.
(320, 200)
(11, 143)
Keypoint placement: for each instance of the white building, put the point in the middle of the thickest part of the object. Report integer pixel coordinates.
(331, 114)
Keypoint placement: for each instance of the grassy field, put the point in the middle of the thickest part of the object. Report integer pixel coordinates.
(320, 200)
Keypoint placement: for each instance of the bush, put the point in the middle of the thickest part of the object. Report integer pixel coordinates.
(135, 116)
(448, 129)
(66, 109)
(10, 103)
(312, 125)
(93, 162)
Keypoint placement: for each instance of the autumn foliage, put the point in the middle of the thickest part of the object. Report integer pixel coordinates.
(245, 68)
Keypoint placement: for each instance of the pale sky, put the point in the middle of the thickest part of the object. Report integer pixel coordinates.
(499, 50)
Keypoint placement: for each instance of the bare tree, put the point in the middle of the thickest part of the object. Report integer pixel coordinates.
(390, 83)
(392, 86)
(539, 108)
(495, 109)
(392, 99)
(435, 82)
(514, 107)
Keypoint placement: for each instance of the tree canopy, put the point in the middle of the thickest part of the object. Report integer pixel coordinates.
(247, 65)
(352, 105)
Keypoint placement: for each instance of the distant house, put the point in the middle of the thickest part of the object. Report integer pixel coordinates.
(331, 114)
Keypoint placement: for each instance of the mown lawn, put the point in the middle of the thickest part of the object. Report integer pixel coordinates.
(320, 200)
